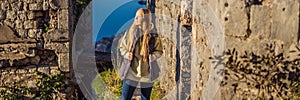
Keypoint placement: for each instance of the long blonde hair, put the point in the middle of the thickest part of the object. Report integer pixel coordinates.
(146, 27)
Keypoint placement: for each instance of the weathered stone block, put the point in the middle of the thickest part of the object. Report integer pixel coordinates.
(63, 19)
(35, 33)
(45, 70)
(56, 35)
(21, 71)
(17, 6)
(236, 17)
(31, 84)
(58, 47)
(28, 24)
(29, 1)
(4, 5)
(260, 21)
(30, 15)
(63, 62)
(36, 6)
(23, 33)
(33, 15)
(16, 51)
(54, 70)
(241, 45)
(19, 24)
(22, 15)
(254, 45)
(36, 24)
(39, 14)
(54, 4)
(46, 5)
(25, 6)
(285, 18)
(11, 15)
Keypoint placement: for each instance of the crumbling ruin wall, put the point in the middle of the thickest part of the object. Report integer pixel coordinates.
(34, 35)
(248, 25)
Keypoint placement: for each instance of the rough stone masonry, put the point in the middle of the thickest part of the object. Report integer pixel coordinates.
(34, 35)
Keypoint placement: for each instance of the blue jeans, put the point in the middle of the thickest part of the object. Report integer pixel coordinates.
(128, 89)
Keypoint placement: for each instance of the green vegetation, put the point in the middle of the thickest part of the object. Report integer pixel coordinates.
(97, 86)
(47, 86)
(81, 2)
(46, 27)
(157, 92)
(15, 93)
(113, 83)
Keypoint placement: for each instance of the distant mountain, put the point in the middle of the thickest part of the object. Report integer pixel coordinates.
(104, 45)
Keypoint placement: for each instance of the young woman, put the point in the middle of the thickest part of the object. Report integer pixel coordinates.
(141, 48)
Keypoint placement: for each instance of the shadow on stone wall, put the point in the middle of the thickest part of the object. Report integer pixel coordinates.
(265, 76)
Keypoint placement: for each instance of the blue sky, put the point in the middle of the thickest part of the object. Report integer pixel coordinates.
(112, 16)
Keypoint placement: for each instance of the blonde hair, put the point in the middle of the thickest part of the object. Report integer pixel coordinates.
(146, 27)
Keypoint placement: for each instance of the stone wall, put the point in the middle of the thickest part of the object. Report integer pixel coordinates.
(256, 24)
(35, 35)
(166, 23)
(248, 25)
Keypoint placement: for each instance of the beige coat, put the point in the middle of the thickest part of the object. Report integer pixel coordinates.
(155, 49)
